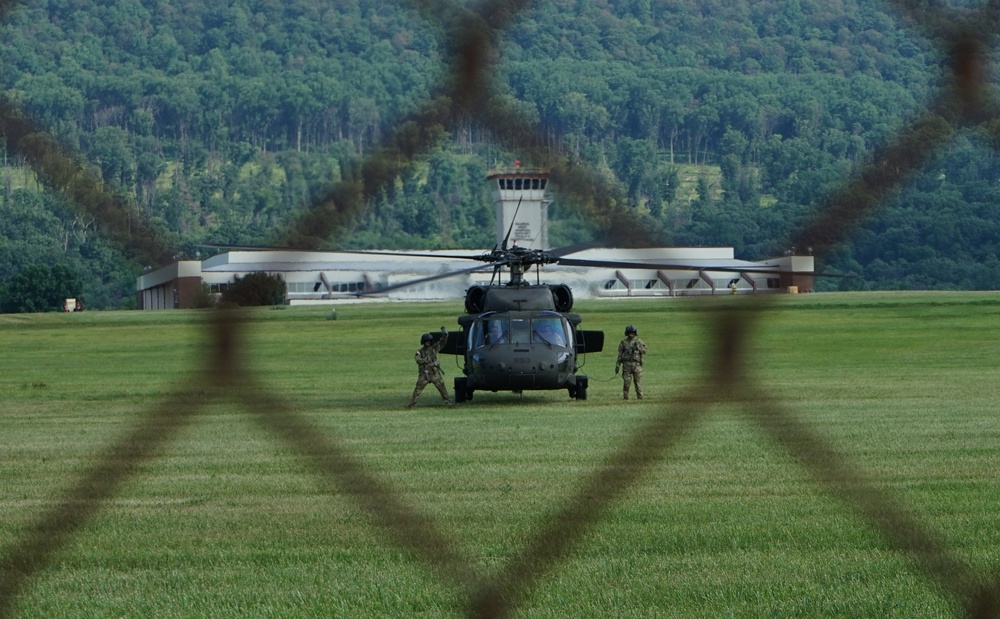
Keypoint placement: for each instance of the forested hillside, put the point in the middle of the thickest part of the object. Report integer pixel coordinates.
(725, 121)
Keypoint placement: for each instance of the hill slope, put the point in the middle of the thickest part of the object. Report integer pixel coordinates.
(724, 122)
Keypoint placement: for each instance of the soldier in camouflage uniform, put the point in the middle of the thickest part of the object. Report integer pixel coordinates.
(630, 352)
(428, 368)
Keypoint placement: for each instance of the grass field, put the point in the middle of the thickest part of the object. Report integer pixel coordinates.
(229, 520)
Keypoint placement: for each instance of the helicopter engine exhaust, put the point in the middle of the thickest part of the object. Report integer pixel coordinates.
(475, 299)
(562, 297)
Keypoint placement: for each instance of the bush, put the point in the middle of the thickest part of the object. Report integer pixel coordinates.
(40, 288)
(203, 299)
(255, 289)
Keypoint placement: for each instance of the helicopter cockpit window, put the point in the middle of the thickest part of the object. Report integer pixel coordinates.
(520, 331)
(549, 330)
(491, 331)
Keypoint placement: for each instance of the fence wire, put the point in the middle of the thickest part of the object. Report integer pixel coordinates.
(965, 37)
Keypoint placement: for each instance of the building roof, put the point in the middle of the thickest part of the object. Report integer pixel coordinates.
(387, 269)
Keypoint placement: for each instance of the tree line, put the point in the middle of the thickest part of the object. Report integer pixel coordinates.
(221, 119)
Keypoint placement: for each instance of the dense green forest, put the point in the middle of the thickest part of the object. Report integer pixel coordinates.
(726, 122)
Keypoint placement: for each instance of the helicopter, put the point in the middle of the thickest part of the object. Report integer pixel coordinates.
(515, 336)
(521, 336)
(518, 335)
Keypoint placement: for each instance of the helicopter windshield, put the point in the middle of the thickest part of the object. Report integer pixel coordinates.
(489, 331)
(545, 328)
(549, 329)
(520, 330)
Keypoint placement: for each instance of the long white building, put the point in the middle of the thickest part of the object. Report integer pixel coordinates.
(521, 202)
(324, 277)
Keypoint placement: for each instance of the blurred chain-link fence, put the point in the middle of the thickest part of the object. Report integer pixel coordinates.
(965, 37)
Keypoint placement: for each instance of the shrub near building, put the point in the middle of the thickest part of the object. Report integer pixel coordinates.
(255, 289)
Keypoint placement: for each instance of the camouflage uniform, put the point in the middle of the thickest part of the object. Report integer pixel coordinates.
(630, 352)
(429, 370)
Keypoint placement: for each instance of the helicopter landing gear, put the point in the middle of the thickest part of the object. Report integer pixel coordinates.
(462, 391)
(579, 390)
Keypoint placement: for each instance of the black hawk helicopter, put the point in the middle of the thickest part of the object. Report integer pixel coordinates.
(516, 336)
(521, 336)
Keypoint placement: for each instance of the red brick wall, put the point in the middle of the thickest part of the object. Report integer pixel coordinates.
(187, 291)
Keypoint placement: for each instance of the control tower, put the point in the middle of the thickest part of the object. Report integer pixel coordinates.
(522, 191)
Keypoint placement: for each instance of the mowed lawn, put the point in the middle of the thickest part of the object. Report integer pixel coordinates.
(228, 519)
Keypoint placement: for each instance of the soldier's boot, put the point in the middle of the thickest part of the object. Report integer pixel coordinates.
(625, 395)
(444, 395)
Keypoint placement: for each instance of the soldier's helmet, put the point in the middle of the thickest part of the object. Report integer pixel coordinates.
(630, 329)
(426, 337)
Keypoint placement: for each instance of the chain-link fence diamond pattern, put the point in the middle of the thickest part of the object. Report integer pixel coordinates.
(965, 36)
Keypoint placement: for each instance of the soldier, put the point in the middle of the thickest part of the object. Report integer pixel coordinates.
(630, 352)
(428, 368)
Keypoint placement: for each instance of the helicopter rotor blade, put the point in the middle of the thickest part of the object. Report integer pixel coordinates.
(424, 280)
(758, 269)
(524, 259)
(674, 266)
(374, 252)
(559, 252)
(409, 254)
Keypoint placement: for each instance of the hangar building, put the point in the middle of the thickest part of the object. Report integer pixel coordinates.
(521, 204)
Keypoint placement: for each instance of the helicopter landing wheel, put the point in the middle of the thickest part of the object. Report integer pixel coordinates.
(580, 388)
(461, 389)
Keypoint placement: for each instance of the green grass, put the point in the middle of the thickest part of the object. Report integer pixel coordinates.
(229, 521)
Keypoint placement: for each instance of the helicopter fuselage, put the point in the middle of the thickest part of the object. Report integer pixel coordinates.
(517, 351)
(520, 342)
